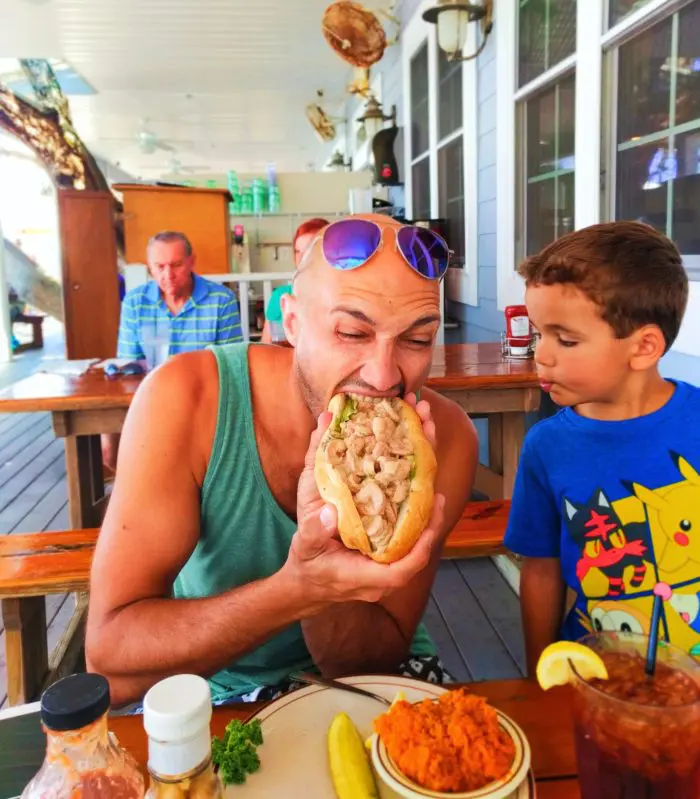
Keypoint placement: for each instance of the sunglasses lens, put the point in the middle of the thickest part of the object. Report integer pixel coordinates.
(350, 242)
(424, 250)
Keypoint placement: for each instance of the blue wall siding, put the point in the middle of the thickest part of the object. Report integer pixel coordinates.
(485, 322)
(681, 367)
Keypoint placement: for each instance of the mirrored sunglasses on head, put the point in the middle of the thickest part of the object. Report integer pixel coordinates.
(350, 243)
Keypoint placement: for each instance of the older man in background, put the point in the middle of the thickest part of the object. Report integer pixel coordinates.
(178, 308)
(177, 311)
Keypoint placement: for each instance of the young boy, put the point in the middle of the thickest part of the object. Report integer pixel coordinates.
(607, 498)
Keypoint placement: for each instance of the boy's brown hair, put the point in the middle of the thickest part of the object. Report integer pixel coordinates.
(631, 271)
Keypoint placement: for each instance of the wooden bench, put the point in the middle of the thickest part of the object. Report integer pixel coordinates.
(480, 531)
(36, 323)
(35, 565)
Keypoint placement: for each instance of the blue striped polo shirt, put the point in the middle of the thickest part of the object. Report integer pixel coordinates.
(210, 316)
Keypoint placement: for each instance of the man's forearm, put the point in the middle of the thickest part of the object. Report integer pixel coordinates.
(355, 637)
(542, 596)
(148, 640)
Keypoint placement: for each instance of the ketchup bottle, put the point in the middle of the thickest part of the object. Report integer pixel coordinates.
(518, 329)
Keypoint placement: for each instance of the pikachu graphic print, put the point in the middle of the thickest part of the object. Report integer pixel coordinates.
(644, 545)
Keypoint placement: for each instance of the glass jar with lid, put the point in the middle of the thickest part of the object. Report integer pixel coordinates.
(177, 717)
(83, 761)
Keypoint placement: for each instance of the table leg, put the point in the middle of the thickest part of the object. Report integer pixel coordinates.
(495, 421)
(85, 481)
(26, 645)
(513, 437)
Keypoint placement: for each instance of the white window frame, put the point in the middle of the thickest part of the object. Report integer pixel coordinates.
(511, 289)
(462, 284)
(593, 40)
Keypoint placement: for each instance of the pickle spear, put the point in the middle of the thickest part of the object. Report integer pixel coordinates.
(350, 768)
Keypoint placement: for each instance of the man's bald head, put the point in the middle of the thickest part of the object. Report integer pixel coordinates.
(370, 329)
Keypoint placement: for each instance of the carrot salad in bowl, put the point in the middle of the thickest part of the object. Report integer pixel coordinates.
(452, 744)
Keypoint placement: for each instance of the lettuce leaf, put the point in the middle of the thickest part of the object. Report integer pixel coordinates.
(345, 415)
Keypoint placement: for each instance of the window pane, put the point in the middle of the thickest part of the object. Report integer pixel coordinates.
(567, 127)
(644, 83)
(565, 204)
(549, 165)
(541, 215)
(642, 183)
(419, 102)
(550, 129)
(688, 72)
(541, 133)
(451, 179)
(686, 194)
(420, 176)
(449, 95)
(546, 35)
(550, 211)
(621, 8)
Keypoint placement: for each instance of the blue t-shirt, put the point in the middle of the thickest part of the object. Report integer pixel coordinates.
(619, 504)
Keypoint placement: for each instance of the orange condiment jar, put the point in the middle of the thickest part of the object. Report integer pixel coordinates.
(83, 761)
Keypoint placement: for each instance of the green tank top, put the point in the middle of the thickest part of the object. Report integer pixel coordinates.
(245, 535)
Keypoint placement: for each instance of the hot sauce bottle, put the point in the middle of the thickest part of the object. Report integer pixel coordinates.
(83, 761)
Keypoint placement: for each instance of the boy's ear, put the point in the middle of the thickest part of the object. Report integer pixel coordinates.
(648, 348)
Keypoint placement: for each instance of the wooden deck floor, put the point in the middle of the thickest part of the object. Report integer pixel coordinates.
(473, 614)
(33, 497)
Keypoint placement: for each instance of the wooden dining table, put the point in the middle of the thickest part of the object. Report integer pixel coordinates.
(545, 718)
(83, 407)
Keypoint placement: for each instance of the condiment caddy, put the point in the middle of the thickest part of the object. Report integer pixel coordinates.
(84, 760)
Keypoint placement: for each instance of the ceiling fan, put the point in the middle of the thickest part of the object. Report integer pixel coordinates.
(148, 141)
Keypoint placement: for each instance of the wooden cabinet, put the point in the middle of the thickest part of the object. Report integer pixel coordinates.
(90, 276)
(201, 214)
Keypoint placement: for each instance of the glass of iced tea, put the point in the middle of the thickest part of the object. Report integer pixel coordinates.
(638, 737)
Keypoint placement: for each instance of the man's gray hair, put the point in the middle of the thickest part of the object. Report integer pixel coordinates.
(168, 236)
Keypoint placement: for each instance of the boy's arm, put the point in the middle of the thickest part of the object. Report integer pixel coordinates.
(534, 532)
(542, 602)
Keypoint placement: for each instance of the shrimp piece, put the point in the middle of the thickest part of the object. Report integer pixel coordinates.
(336, 451)
(382, 428)
(386, 408)
(369, 466)
(380, 449)
(354, 482)
(356, 444)
(370, 499)
(400, 492)
(401, 446)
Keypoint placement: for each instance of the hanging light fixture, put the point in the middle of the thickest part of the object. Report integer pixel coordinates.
(374, 117)
(452, 18)
(337, 163)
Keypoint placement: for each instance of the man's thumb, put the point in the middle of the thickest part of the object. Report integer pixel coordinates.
(328, 517)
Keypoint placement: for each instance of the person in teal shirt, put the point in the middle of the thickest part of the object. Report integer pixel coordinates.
(306, 232)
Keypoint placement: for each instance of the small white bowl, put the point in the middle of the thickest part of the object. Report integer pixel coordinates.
(505, 788)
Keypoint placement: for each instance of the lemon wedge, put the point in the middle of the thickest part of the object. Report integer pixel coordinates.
(555, 664)
(350, 768)
(400, 697)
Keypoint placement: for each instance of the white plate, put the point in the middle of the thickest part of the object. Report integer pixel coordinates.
(294, 759)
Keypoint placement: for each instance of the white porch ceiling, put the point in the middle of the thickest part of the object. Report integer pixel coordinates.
(224, 82)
